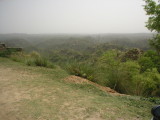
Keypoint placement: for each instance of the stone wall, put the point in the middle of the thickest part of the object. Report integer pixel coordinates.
(6, 51)
(3, 47)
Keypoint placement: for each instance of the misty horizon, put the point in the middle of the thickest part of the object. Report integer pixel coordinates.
(72, 17)
(75, 33)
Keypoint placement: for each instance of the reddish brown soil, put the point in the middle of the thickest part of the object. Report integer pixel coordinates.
(79, 80)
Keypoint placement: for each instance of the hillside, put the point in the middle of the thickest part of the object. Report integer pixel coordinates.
(43, 42)
(37, 93)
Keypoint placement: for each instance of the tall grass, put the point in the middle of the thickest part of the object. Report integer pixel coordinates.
(81, 69)
(32, 59)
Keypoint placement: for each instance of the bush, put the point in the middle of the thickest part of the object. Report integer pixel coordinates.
(30, 62)
(40, 62)
(19, 56)
(81, 69)
(35, 54)
(5, 53)
(146, 63)
(154, 57)
(125, 77)
(32, 59)
(132, 54)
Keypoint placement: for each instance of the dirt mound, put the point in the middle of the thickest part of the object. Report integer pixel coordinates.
(76, 79)
(79, 80)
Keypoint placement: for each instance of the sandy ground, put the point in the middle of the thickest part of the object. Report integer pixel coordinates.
(10, 95)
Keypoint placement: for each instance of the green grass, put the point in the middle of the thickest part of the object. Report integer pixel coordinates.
(45, 96)
(32, 59)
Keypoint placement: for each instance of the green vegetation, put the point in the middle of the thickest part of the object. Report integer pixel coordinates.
(153, 10)
(41, 93)
(126, 69)
(8, 51)
(4, 53)
(81, 69)
(123, 62)
(101, 59)
(133, 73)
(32, 59)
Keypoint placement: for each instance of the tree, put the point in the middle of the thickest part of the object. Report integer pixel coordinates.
(152, 9)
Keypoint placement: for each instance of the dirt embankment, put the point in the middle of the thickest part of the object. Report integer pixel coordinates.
(79, 80)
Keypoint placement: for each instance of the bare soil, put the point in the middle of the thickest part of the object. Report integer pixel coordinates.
(10, 95)
(79, 80)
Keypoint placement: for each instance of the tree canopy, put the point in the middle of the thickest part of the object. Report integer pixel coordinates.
(152, 9)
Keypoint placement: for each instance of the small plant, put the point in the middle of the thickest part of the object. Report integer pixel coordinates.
(19, 56)
(154, 100)
(29, 62)
(35, 54)
(81, 69)
(40, 62)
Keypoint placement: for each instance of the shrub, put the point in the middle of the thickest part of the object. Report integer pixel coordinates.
(19, 56)
(81, 69)
(29, 62)
(5, 53)
(145, 63)
(132, 54)
(32, 59)
(154, 57)
(110, 65)
(40, 62)
(35, 54)
(125, 77)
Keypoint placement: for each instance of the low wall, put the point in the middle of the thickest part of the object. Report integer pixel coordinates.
(8, 51)
(14, 49)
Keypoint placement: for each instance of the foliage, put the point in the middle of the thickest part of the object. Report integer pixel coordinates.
(153, 10)
(125, 77)
(32, 59)
(135, 77)
(155, 43)
(4, 53)
(19, 56)
(110, 63)
(146, 63)
(81, 69)
(132, 54)
(154, 57)
(146, 83)
(8, 51)
(108, 60)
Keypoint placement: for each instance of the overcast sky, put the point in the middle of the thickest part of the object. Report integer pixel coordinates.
(72, 16)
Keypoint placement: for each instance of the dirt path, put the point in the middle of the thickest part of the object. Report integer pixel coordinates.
(10, 95)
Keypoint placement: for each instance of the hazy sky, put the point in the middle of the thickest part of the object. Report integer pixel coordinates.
(72, 16)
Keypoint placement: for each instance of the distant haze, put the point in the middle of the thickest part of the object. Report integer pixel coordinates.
(72, 16)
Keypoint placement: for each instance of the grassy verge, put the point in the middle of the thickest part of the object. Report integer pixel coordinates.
(41, 94)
